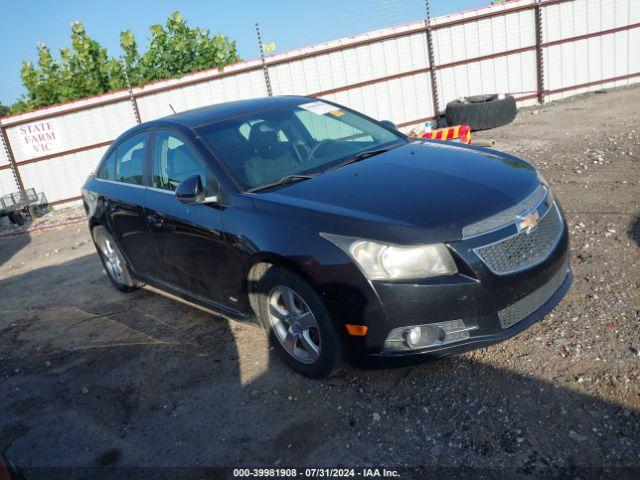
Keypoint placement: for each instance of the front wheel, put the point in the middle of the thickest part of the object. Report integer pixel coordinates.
(113, 261)
(298, 324)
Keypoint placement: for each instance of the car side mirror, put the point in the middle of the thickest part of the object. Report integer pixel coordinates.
(389, 123)
(190, 190)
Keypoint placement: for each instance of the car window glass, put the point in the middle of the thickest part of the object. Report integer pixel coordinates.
(107, 169)
(265, 146)
(174, 161)
(129, 162)
(322, 127)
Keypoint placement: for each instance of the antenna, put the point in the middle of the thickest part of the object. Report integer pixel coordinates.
(172, 109)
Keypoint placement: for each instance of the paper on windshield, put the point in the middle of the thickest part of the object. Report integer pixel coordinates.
(317, 107)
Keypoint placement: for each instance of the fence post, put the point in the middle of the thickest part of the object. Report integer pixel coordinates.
(132, 98)
(265, 70)
(12, 161)
(539, 52)
(432, 64)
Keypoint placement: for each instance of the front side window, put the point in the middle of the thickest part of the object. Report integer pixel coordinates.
(301, 137)
(174, 161)
(129, 160)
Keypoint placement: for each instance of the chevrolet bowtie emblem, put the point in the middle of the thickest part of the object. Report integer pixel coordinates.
(528, 222)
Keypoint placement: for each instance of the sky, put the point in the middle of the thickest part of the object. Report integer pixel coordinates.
(288, 23)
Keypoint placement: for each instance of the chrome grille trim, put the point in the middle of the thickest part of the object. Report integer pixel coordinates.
(524, 249)
(518, 311)
(506, 217)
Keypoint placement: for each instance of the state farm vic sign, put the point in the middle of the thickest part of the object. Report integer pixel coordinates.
(38, 139)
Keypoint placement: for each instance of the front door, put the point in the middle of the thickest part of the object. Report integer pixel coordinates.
(189, 238)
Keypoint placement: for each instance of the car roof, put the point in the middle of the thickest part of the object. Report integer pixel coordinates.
(223, 111)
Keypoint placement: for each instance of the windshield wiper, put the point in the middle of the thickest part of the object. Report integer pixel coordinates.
(366, 154)
(283, 181)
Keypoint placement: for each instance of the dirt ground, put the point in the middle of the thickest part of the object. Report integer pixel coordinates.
(91, 377)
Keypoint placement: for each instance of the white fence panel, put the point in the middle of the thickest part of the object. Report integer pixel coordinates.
(217, 90)
(78, 129)
(7, 182)
(62, 177)
(3, 158)
(589, 44)
(586, 62)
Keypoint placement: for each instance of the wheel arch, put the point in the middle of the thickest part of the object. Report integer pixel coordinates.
(258, 264)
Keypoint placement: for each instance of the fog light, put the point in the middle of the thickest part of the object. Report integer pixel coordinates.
(412, 337)
(429, 335)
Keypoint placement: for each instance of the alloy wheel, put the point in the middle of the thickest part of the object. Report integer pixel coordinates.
(294, 324)
(112, 259)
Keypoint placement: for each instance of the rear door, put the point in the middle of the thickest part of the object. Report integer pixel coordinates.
(123, 192)
(189, 239)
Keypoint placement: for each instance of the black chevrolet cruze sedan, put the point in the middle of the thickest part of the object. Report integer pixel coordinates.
(342, 236)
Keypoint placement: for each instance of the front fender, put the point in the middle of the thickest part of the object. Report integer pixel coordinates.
(256, 237)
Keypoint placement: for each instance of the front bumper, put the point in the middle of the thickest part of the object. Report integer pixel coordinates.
(477, 296)
(484, 337)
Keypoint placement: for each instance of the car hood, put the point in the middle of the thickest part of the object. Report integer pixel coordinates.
(422, 191)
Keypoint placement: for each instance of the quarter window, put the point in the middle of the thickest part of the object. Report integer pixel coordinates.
(174, 161)
(129, 160)
(107, 169)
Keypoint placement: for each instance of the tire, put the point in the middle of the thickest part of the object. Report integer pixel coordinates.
(270, 296)
(481, 98)
(17, 218)
(114, 263)
(482, 112)
(37, 211)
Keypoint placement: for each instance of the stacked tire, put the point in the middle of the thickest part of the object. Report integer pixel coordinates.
(481, 112)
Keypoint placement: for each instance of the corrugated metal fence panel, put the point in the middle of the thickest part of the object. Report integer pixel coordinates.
(508, 74)
(350, 65)
(401, 100)
(61, 178)
(383, 74)
(591, 59)
(62, 108)
(7, 182)
(514, 73)
(217, 90)
(80, 128)
(3, 160)
(484, 37)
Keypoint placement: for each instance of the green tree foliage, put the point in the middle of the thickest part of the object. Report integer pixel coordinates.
(86, 68)
(4, 110)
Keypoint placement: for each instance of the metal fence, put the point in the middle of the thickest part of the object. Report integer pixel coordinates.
(536, 50)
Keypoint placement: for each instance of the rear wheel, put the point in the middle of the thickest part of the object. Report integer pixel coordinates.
(113, 261)
(298, 324)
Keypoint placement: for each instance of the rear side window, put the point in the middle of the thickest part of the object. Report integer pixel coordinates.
(129, 161)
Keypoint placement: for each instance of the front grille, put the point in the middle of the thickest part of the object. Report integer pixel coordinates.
(506, 217)
(524, 307)
(524, 249)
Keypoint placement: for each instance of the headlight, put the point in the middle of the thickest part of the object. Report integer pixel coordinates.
(543, 181)
(383, 261)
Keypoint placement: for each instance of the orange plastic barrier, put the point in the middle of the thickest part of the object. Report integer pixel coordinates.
(462, 133)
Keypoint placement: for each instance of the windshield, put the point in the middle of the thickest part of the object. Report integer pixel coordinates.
(303, 138)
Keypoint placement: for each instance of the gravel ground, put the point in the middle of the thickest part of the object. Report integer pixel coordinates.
(91, 377)
(54, 218)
